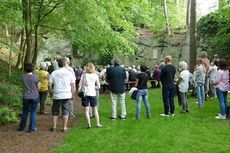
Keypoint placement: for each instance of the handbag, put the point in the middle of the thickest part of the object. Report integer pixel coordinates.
(135, 92)
(83, 87)
(134, 95)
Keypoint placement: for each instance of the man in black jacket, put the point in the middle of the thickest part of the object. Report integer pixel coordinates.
(116, 77)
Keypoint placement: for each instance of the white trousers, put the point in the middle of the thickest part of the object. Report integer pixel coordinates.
(114, 104)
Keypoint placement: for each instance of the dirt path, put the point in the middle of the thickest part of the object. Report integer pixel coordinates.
(43, 141)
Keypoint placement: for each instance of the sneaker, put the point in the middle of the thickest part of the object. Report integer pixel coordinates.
(33, 130)
(65, 130)
(53, 129)
(89, 127)
(221, 117)
(171, 114)
(164, 115)
(122, 118)
(136, 118)
(112, 118)
(100, 126)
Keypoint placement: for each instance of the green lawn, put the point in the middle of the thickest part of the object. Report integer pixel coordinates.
(197, 131)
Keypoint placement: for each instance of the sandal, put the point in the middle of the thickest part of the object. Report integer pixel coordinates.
(53, 129)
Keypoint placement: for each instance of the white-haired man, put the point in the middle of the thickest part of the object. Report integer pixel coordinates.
(62, 93)
(167, 78)
(71, 110)
(183, 84)
(43, 76)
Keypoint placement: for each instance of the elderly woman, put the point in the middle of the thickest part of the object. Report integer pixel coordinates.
(141, 85)
(91, 80)
(199, 75)
(222, 87)
(183, 84)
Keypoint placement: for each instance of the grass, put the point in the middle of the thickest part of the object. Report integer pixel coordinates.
(197, 131)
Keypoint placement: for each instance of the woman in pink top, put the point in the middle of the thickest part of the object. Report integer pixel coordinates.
(222, 87)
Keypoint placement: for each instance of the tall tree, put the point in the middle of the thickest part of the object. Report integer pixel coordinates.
(41, 15)
(177, 3)
(22, 48)
(27, 20)
(166, 18)
(188, 13)
(192, 29)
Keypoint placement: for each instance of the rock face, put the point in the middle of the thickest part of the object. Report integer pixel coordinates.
(152, 50)
(54, 47)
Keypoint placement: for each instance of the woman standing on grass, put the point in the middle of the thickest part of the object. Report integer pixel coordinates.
(141, 85)
(200, 79)
(183, 86)
(31, 85)
(222, 87)
(90, 79)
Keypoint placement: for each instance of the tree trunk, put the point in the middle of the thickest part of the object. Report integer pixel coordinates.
(188, 13)
(166, 19)
(22, 46)
(192, 28)
(10, 56)
(36, 46)
(177, 3)
(28, 58)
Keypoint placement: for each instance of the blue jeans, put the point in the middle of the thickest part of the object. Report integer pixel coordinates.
(222, 97)
(142, 93)
(200, 94)
(29, 104)
(168, 98)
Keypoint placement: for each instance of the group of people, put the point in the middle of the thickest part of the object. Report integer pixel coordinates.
(61, 84)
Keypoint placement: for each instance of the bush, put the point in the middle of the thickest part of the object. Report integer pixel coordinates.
(214, 30)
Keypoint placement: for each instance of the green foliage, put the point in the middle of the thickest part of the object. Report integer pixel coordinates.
(214, 30)
(176, 16)
(7, 116)
(181, 133)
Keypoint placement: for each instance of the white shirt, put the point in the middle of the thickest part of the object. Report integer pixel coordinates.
(212, 74)
(71, 70)
(62, 80)
(183, 86)
(91, 79)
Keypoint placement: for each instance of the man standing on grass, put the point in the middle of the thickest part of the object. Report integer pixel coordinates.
(167, 78)
(62, 94)
(206, 63)
(116, 78)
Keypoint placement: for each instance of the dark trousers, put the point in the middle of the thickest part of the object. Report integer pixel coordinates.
(29, 105)
(43, 96)
(153, 83)
(168, 98)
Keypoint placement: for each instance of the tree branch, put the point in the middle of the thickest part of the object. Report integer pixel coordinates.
(46, 14)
